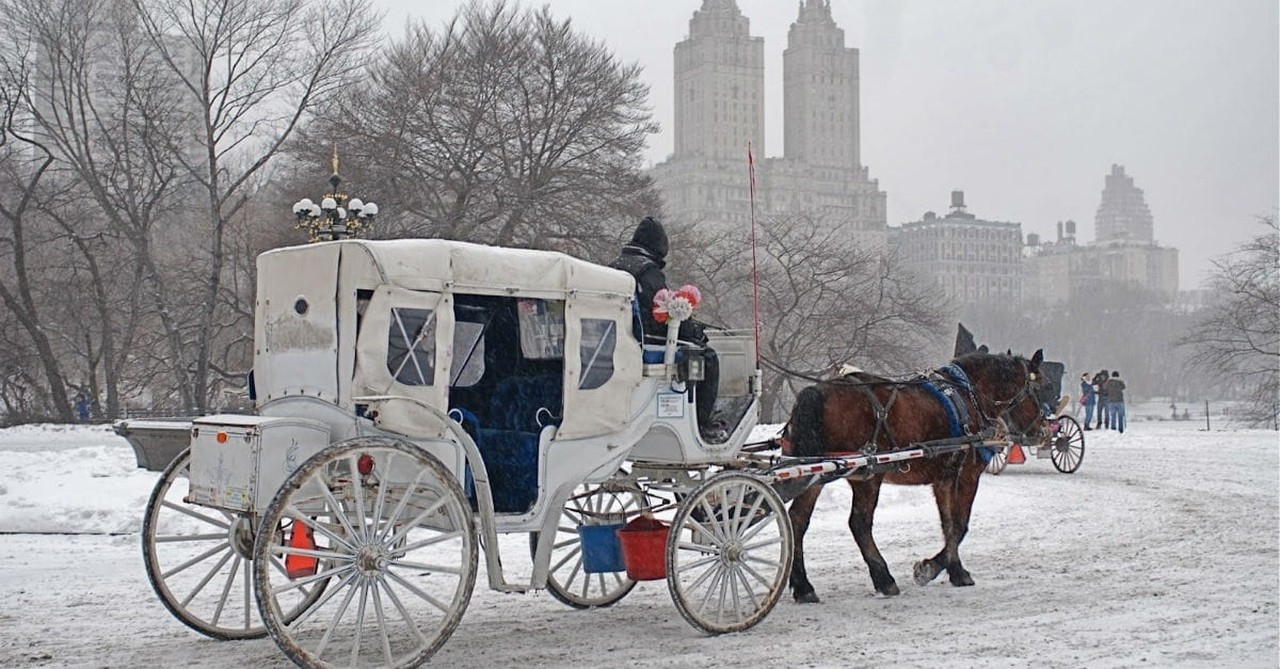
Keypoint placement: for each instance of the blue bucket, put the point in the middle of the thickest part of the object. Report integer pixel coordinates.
(601, 550)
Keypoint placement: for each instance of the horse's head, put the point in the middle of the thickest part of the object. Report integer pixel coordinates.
(1007, 387)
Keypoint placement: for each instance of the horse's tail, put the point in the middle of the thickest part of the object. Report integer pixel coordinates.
(805, 428)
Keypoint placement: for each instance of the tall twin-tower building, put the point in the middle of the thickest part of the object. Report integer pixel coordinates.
(720, 111)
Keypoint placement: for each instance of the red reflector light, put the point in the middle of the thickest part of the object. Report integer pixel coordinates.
(365, 464)
(222, 437)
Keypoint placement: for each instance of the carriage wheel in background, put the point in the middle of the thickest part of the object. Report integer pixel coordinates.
(1068, 445)
(199, 559)
(729, 553)
(388, 525)
(566, 579)
(999, 460)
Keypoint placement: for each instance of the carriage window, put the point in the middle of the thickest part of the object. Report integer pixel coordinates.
(598, 340)
(411, 346)
(468, 354)
(541, 329)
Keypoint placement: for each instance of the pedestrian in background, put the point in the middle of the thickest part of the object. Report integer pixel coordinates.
(1100, 387)
(1088, 399)
(1115, 402)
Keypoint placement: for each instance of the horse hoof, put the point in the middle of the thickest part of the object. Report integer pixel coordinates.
(961, 580)
(889, 590)
(925, 571)
(808, 598)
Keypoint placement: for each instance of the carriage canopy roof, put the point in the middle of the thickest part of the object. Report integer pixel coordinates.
(437, 264)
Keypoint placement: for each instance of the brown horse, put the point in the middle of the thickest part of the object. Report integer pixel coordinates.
(861, 412)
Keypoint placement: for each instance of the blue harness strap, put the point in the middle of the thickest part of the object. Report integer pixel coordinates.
(949, 406)
(955, 374)
(953, 378)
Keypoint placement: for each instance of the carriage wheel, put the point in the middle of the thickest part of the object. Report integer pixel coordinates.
(999, 460)
(729, 553)
(1068, 445)
(198, 561)
(390, 528)
(566, 579)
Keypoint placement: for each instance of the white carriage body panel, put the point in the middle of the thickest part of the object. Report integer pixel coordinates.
(295, 325)
(238, 462)
(424, 273)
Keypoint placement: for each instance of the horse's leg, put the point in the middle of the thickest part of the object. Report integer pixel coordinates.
(928, 569)
(866, 494)
(954, 496)
(966, 490)
(800, 512)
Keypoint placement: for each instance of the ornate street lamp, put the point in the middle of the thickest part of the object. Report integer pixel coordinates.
(334, 217)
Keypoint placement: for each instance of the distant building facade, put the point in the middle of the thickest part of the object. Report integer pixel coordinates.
(1123, 214)
(719, 109)
(1125, 251)
(89, 88)
(971, 260)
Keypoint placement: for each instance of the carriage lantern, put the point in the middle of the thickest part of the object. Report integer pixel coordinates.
(335, 217)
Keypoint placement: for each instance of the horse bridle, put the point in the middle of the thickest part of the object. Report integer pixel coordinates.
(1005, 407)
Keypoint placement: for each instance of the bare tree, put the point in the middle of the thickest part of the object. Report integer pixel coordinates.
(823, 302)
(504, 126)
(1238, 340)
(248, 72)
(20, 177)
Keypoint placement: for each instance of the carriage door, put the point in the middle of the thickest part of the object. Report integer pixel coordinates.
(602, 369)
(404, 347)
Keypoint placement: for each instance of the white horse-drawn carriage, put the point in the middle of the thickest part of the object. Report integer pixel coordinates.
(415, 400)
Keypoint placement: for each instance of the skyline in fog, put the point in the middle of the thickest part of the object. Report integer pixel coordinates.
(1023, 107)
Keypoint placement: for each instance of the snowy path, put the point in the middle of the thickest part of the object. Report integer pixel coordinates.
(1163, 550)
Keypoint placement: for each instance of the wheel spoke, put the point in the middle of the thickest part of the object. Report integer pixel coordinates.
(198, 559)
(419, 592)
(337, 617)
(188, 511)
(324, 599)
(178, 538)
(404, 500)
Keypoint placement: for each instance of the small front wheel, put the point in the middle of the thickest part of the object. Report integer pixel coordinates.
(567, 578)
(729, 553)
(390, 529)
(1068, 445)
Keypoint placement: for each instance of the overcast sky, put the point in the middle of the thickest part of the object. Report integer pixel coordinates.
(1023, 105)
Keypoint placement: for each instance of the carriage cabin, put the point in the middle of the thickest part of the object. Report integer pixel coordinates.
(534, 353)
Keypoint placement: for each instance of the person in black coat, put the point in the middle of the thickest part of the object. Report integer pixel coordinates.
(1099, 383)
(644, 257)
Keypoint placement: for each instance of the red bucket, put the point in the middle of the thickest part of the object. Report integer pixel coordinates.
(644, 548)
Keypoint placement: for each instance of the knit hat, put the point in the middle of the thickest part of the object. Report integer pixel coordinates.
(651, 237)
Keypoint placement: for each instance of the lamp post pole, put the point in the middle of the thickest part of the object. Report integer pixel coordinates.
(335, 217)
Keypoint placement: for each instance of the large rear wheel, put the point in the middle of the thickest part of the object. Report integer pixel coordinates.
(199, 560)
(388, 525)
(729, 553)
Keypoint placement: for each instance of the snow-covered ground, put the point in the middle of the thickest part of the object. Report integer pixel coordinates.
(1163, 550)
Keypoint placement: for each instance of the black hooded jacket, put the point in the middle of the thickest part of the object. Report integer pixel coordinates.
(644, 257)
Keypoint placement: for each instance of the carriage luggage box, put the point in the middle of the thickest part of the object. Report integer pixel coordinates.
(239, 462)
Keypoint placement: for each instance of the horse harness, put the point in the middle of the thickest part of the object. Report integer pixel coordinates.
(949, 385)
(955, 392)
